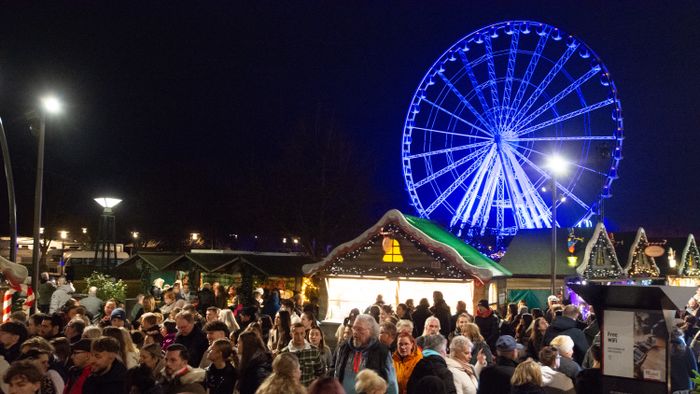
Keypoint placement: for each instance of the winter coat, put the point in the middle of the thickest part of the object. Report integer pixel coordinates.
(111, 382)
(442, 311)
(190, 381)
(488, 326)
(563, 325)
(464, 383)
(556, 380)
(496, 378)
(196, 342)
(404, 367)
(46, 289)
(589, 380)
(419, 315)
(259, 368)
(527, 388)
(60, 297)
(432, 364)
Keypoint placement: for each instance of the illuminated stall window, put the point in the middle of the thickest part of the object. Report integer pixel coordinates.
(493, 293)
(392, 250)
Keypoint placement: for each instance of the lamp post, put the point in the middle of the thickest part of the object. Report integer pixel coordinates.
(134, 242)
(63, 234)
(106, 233)
(49, 105)
(557, 166)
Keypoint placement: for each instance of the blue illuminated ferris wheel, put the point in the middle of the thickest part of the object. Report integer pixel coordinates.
(488, 114)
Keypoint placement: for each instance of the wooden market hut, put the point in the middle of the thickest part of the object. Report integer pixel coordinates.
(402, 257)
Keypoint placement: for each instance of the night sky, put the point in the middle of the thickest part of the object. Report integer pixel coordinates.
(185, 111)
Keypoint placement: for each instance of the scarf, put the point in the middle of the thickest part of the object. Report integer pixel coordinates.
(486, 313)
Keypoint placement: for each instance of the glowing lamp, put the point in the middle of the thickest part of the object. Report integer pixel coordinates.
(557, 165)
(135, 234)
(194, 236)
(108, 203)
(84, 229)
(51, 104)
(572, 261)
(63, 234)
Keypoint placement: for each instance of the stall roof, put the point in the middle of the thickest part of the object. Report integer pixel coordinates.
(158, 261)
(460, 255)
(229, 261)
(529, 253)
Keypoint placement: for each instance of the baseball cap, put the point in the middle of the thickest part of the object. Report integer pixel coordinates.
(507, 343)
(484, 303)
(118, 314)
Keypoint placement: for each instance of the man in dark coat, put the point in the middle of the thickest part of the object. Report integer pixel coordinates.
(12, 335)
(566, 325)
(495, 379)
(108, 374)
(441, 310)
(487, 322)
(421, 313)
(432, 364)
(191, 336)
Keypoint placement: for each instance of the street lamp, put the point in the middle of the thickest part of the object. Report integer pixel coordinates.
(557, 166)
(134, 242)
(63, 234)
(106, 231)
(49, 105)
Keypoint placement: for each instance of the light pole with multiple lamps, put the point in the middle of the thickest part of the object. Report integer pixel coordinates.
(557, 166)
(49, 105)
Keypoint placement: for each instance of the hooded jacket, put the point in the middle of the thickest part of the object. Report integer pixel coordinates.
(556, 380)
(404, 367)
(374, 355)
(432, 364)
(563, 325)
(187, 380)
(60, 297)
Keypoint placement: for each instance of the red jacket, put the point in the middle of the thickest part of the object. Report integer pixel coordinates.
(74, 385)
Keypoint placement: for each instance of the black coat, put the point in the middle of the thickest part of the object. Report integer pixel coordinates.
(566, 326)
(431, 366)
(488, 326)
(259, 368)
(196, 343)
(112, 382)
(495, 379)
(590, 381)
(419, 315)
(442, 311)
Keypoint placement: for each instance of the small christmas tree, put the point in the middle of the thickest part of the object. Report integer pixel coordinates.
(690, 259)
(639, 265)
(600, 260)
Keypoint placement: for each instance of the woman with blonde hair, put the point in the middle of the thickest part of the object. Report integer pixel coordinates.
(472, 332)
(226, 316)
(527, 378)
(285, 377)
(129, 355)
(369, 382)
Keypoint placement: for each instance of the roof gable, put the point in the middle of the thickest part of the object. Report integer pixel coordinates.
(599, 259)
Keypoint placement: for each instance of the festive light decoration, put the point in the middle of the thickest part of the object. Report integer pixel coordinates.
(309, 289)
(690, 259)
(392, 250)
(600, 260)
(639, 265)
(441, 268)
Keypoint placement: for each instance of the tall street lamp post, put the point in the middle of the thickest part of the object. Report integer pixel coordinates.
(557, 166)
(49, 105)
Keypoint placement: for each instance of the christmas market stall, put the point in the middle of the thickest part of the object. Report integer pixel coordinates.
(529, 259)
(403, 257)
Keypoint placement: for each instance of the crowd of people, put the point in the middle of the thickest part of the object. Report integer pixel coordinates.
(178, 340)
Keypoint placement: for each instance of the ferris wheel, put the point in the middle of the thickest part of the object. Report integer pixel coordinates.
(488, 114)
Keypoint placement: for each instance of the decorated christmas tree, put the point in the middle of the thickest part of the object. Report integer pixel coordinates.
(690, 260)
(639, 264)
(600, 260)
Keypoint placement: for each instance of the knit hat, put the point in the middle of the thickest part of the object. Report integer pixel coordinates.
(484, 303)
(552, 298)
(118, 313)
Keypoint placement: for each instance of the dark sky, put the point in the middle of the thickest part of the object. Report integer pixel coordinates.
(176, 108)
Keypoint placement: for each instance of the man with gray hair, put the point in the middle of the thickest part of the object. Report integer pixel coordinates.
(567, 324)
(432, 364)
(364, 351)
(92, 304)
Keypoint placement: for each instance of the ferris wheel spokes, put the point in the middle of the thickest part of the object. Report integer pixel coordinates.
(450, 167)
(474, 81)
(469, 196)
(492, 77)
(448, 150)
(510, 73)
(525, 81)
(566, 116)
(451, 133)
(539, 111)
(570, 50)
(436, 106)
(466, 102)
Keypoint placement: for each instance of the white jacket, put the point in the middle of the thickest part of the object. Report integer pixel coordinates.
(464, 383)
(556, 380)
(60, 297)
